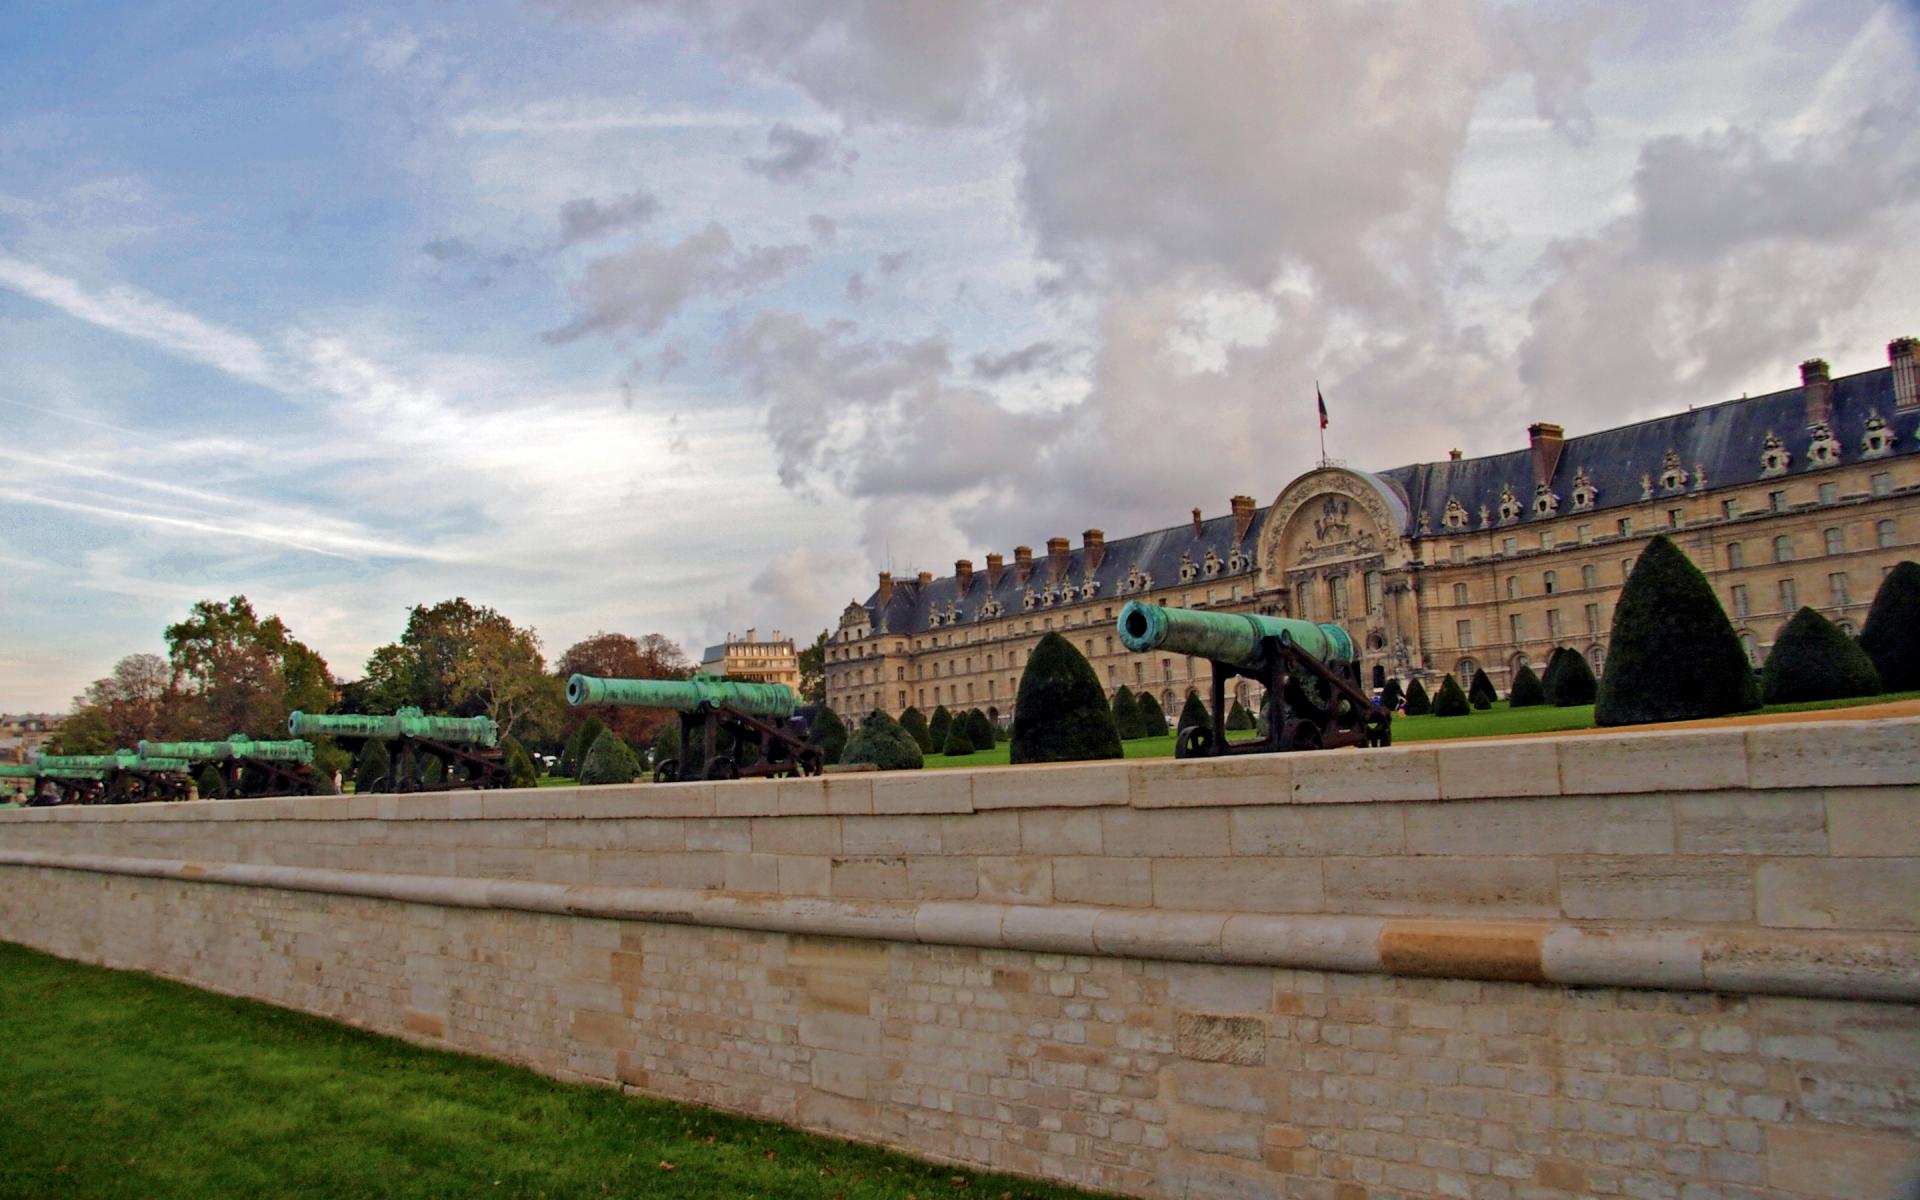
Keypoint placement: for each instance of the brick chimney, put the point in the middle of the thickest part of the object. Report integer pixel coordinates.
(925, 578)
(1901, 353)
(1023, 563)
(1546, 441)
(886, 588)
(1057, 550)
(1094, 542)
(1242, 516)
(1196, 522)
(963, 574)
(996, 567)
(1817, 390)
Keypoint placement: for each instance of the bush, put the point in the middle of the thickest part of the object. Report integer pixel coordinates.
(579, 744)
(1480, 692)
(210, 785)
(980, 730)
(1194, 712)
(1573, 683)
(1126, 714)
(1891, 636)
(1814, 659)
(1452, 701)
(1390, 695)
(938, 728)
(1527, 691)
(1549, 678)
(1153, 718)
(915, 723)
(829, 733)
(322, 784)
(882, 742)
(958, 743)
(1060, 712)
(1417, 703)
(1673, 655)
(609, 760)
(1238, 717)
(371, 770)
(666, 744)
(520, 772)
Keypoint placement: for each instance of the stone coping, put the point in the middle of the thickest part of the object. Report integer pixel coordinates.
(1758, 757)
(1774, 962)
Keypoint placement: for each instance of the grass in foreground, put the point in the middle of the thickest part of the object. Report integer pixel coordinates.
(122, 1085)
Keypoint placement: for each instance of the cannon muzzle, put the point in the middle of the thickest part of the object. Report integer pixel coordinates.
(685, 695)
(406, 723)
(236, 747)
(1235, 638)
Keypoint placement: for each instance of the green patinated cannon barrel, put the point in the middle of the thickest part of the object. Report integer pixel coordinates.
(685, 695)
(406, 723)
(124, 760)
(28, 771)
(1228, 637)
(234, 747)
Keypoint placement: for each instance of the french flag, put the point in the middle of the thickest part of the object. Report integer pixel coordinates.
(1322, 400)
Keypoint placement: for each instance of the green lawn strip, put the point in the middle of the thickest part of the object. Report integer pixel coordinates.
(122, 1085)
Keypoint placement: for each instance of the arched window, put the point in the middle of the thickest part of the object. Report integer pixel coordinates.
(1460, 589)
(1463, 671)
(1783, 548)
(1596, 658)
(1550, 582)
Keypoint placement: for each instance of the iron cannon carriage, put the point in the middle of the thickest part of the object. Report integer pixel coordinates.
(119, 778)
(466, 747)
(728, 729)
(245, 767)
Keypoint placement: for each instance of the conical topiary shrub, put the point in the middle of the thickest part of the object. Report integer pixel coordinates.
(1061, 712)
(937, 728)
(916, 726)
(372, 768)
(1126, 713)
(609, 760)
(1194, 712)
(980, 730)
(958, 743)
(1556, 662)
(1390, 695)
(829, 733)
(882, 742)
(1573, 681)
(666, 745)
(1672, 655)
(574, 755)
(1526, 691)
(1417, 703)
(1153, 718)
(1480, 692)
(1452, 700)
(1238, 717)
(1814, 659)
(520, 772)
(210, 785)
(1891, 636)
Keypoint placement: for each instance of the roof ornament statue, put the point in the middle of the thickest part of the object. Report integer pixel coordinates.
(1545, 503)
(1584, 493)
(1239, 560)
(1211, 567)
(1455, 516)
(1509, 503)
(1646, 486)
(1673, 474)
(1775, 458)
(1878, 441)
(1823, 449)
(1188, 570)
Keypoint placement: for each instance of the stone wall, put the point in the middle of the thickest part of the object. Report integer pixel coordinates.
(1680, 964)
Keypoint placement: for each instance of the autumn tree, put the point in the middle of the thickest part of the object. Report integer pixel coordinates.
(141, 699)
(242, 674)
(813, 671)
(621, 656)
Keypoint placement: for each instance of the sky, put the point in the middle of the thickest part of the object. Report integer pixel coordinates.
(686, 317)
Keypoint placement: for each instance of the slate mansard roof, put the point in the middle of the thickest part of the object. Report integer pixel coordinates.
(1717, 446)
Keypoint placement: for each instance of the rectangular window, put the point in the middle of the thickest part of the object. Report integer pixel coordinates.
(1626, 526)
(1777, 501)
(1460, 594)
(1882, 483)
(1829, 492)
(1457, 553)
(1729, 509)
(1676, 517)
(1463, 633)
(1783, 548)
(1509, 546)
(1139, 671)
(1736, 555)
(1513, 587)
(1837, 588)
(1836, 541)
(1593, 619)
(1306, 599)
(1883, 533)
(1740, 604)
(1337, 596)
(1789, 597)
(1546, 541)
(1584, 533)
(1166, 669)
(1553, 624)
(1589, 576)
(1373, 591)
(1517, 627)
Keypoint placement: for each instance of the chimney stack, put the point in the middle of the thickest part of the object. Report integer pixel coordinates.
(1901, 353)
(886, 588)
(1057, 552)
(1453, 456)
(1817, 389)
(1242, 517)
(1196, 522)
(1094, 542)
(1546, 441)
(753, 635)
(996, 567)
(1023, 562)
(925, 578)
(963, 574)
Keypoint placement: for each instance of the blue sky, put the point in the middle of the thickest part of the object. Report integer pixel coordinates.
(689, 317)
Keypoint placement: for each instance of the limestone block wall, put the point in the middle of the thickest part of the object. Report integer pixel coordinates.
(1680, 964)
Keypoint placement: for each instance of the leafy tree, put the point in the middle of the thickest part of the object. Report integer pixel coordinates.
(1238, 717)
(619, 656)
(520, 772)
(242, 674)
(502, 672)
(938, 727)
(958, 743)
(813, 671)
(86, 731)
(1672, 655)
(882, 742)
(1061, 712)
(1452, 701)
(1481, 688)
(1814, 659)
(1418, 705)
(1153, 718)
(1526, 691)
(1194, 712)
(1891, 636)
(141, 699)
(829, 733)
(372, 769)
(980, 730)
(209, 784)
(1574, 682)
(609, 760)
(1126, 713)
(916, 726)
(1390, 695)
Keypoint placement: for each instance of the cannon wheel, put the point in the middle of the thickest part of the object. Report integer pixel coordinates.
(1302, 735)
(668, 771)
(1194, 741)
(722, 767)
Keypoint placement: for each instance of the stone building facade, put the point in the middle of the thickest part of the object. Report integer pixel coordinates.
(753, 660)
(1804, 497)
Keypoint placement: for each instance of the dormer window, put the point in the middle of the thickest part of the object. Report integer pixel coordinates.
(1188, 571)
(1455, 516)
(990, 609)
(1584, 493)
(1239, 560)
(1823, 449)
(1211, 567)
(1878, 441)
(1774, 456)
(1545, 503)
(1509, 504)
(1672, 473)
(1089, 586)
(1028, 600)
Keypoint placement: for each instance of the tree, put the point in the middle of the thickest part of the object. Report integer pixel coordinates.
(1481, 689)
(141, 699)
(1238, 717)
(1891, 636)
(1153, 718)
(813, 671)
(882, 742)
(578, 745)
(1060, 710)
(371, 770)
(980, 730)
(520, 772)
(1556, 665)
(1672, 655)
(619, 656)
(242, 674)
(958, 743)
(1417, 703)
(829, 733)
(1390, 695)
(1814, 659)
(1574, 682)
(1126, 714)
(85, 732)
(1193, 713)
(1526, 691)
(501, 670)
(938, 727)
(1452, 701)
(915, 724)
(609, 760)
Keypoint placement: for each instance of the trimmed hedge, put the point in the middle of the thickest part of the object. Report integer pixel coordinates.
(938, 727)
(1238, 717)
(829, 733)
(980, 730)
(1391, 695)
(1194, 712)
(1526, 692)
(371, 766)
(882, 742)
(1126, 713)
(958, 742)
(1417, 703)
(1673, 655)
(1891, 636)
(916, 726)
(1452, 700)
(609, 760)
(519, 764)
(573, 757)
(1481, 692)
(1574, 683)
(1814, 659)
(1061, 712)
(1152, 717)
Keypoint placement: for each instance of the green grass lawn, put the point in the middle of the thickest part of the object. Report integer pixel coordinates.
(121, 1085)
